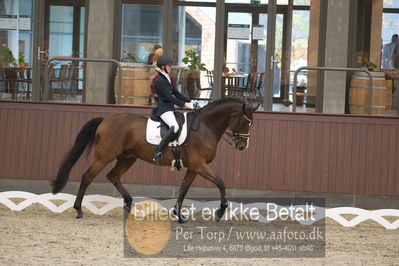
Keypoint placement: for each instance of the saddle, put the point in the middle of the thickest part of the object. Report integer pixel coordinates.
(164, 127)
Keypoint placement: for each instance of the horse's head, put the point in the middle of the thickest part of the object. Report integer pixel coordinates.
(240, 125)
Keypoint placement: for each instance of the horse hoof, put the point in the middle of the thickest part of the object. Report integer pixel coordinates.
(219, 214)
(79, 216)
(182, 221)
(127, 209)
(127, 206)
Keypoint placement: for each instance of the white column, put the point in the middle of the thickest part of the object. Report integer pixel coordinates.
(182, 34)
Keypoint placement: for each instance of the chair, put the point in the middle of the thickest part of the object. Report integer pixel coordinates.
(255, 88)
(210, 75)
(208, 91)
(3, 83)
(71, 80)
(229, 86)
(24, 82)
(11, 80)
(50, 79)
(242, 92)
(28, 72)
(76, 79)
(61, 81)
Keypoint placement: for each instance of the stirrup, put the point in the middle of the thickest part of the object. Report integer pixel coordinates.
(157, 157)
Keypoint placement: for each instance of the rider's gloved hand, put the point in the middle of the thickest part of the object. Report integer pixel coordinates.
(189, 105)
(199, 104)
(195, 104)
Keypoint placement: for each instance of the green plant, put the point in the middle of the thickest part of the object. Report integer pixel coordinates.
(131, 58)
(21, 59)
(368, 64)
(192, 60)
(8, 56)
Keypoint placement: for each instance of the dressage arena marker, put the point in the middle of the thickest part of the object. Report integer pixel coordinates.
(110, 203)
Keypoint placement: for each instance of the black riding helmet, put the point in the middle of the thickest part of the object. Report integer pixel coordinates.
(164, 60)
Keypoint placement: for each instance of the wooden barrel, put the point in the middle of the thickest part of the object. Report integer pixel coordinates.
(389, 95)
(358, 93)
(135, 84)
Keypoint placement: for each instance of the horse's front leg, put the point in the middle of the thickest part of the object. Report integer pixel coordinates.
(187, 181)
(206, 172)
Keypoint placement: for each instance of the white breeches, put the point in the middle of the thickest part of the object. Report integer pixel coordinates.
(170, 119)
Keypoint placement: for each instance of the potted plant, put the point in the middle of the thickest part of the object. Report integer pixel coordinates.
(9, 58)
(131, 58)
(369, 65)
(192, 78)
(21, 60)
(128, 57)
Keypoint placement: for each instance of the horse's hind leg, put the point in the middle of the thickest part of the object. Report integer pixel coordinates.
(187, 181)
(123, 164)
(87, 178)
(208, 174)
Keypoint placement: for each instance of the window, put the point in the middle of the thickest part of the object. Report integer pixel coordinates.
(390, 26)
(300, 38)
(194, 28)
(142, 28)
(301, 2)
(61, 30)
(17, 33)
(205, 1)
(391, 4)
(263, 2)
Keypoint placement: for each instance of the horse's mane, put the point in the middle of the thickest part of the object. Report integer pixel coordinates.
(223, 101)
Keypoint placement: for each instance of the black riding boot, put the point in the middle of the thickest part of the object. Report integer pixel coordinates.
(157, 156)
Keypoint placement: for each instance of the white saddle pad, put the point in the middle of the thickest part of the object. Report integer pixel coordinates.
(153, 134)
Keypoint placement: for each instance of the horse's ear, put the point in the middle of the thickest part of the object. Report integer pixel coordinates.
(255, 107)
(252, 107)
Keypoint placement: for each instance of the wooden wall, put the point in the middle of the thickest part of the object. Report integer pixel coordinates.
(294, 152)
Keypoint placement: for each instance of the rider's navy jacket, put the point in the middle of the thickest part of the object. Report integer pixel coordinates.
(168, 96)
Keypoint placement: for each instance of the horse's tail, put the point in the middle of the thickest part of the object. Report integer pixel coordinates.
(84, 139)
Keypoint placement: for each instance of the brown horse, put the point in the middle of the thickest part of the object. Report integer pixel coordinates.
(122, 137)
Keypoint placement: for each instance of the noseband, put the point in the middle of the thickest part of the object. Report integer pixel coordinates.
(235, 136)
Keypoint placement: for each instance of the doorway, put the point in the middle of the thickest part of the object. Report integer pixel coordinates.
(64, 28)
(246, 44)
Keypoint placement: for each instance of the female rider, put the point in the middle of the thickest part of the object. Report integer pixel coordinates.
(168, 96)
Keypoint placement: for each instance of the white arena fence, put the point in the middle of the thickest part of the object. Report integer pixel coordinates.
(110, 203)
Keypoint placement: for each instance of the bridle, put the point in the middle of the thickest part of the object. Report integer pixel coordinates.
(235, 136)
(232, 136)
